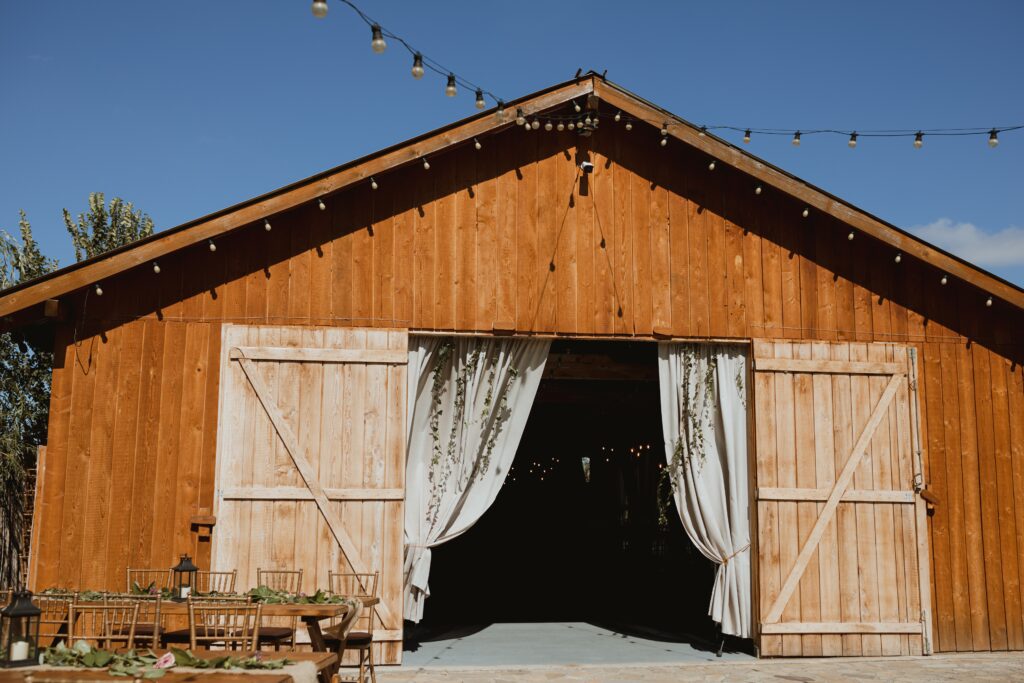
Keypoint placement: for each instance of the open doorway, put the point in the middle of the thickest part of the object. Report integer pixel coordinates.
(576, 540)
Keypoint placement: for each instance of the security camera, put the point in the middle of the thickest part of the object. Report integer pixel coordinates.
(587, 166)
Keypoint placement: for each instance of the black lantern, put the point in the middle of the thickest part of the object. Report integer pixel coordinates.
(184, 578)
(19, 626)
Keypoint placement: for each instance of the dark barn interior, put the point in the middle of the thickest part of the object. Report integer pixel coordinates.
(555, 547)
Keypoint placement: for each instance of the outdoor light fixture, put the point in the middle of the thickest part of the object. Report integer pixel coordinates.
(757, 190)
(501, 109)
(373, 183)
(156, 267)
(212, 245)
(988, 302)
(377, 43)
(850, 236)
(98, 290)
(320, 203)
(806, 212)
(853, 141)
(548, 126)
(184, 579)
(266, 225)
(426, 164)
(520, 118)
(796, 139)
(711, 166)
(576, 106)
(899, 257)
(417, 66)
(746, 137)
(571, 125)
(19, 626)
(560, 126)
(629, 125)
(944, 280)
(319, 8)
(993, 138)
(480, 103)
(451, 90)
(918, 140)
(618, 116)
(535, 124)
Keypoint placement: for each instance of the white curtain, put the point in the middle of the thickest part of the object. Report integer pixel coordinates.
(704, 418)
(469, 399)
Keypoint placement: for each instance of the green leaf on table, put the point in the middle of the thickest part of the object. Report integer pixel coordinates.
(154, 673)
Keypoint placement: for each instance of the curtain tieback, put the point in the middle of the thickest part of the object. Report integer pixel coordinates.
(726, 560)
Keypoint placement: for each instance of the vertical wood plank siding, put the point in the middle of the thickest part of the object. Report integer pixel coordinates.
(512, 237)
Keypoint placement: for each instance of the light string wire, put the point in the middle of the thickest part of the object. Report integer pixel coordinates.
(428, 63)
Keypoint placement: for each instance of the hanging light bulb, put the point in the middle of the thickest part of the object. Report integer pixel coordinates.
(806, 212)
(746, 137)
(548, 126)
(417, 66)
(501, 109)
(943, 280)
(664, 129)
(850, 236)
(796, 139)
(571, 125)
(629, 125)
(476, 145)
(535, 124)
(373, 183)
(266, 225)
(576, 106)
(426, 164)
(703, 131)
(918, 140)
(988, 302)
(711, 166)
(98, 290)
(156, 267)
(320, 203)
(588, 120)
(594, 121)
(618, 116)
(664, 141)
(993, 140)
(451, 90)
(853, 140)
(480, 103)
(212, 245)
(319, 8)
(560, 126)
(757, 190)
(377, 43)
(899, 257)
(520, 119)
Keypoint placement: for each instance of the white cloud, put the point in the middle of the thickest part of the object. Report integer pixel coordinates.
(987, 249)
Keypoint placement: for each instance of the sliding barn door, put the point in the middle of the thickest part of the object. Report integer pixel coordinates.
(842, 538)
(311, 458)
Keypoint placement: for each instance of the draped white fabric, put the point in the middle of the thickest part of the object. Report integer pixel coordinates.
(469, 399)
(704, 419)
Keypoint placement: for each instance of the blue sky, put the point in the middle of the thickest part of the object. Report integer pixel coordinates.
(187, 107)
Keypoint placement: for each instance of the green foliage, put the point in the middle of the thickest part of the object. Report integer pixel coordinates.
(24, 398)
(269, 596)
(148, 664)
(104, 228)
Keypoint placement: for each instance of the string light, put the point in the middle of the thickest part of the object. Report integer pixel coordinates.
(451, 90)
(703, 131)
(629, 125)
(319, 8)
(918, 140)
(796, 139)
(806, 212)
(560, 126)
(993, 141)
(373, 183)
(618, 116)
(899, 257)
(417, 66)
(944, 280)
(212, 245)
(853, 140)
(988, 302)
(320, 203)
(476, 145)
(711, 166)
(501, 110)
(535, 124)
(576, 106)
(266, 225)
(98, 290)
(548, 126)
(520, 119)
(850, 236)
(426, 164)
(664, 129)
(746, 137)
(570, 125)
(757, 190)
(480, 102)
(156, 267)
(377, 42)
(664, 141)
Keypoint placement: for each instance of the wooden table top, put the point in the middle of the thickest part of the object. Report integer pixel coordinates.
(280, 610)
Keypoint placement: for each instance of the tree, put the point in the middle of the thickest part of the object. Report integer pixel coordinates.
(24, 399)
(103, 229)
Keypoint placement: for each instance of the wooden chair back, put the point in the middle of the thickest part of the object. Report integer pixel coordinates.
(344, 626)
(289, 580)
(159, 578)
(148, 622)
(53, 622)
(230, 624)
(105, 626)
(215, 582)
(357, 585)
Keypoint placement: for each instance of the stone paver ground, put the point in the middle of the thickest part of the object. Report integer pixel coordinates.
(972, 668)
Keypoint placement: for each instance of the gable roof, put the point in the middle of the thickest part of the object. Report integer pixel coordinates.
(106, 265)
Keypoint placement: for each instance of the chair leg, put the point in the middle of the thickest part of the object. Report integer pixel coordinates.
(362, 665)
(369, 659)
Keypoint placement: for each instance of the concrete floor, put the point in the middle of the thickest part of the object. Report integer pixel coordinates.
(539, 644)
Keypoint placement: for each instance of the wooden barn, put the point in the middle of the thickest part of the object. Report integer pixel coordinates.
(237, 387)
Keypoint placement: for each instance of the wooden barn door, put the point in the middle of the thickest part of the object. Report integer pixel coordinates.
(311, 458)
(842, 539)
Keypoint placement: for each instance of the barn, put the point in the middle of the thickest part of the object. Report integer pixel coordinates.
(251, 387)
